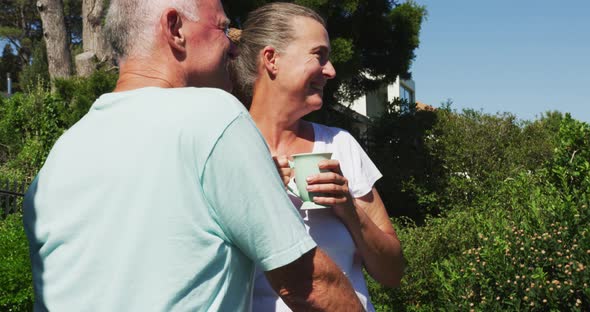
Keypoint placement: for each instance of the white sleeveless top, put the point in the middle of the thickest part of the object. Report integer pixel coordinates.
(330, 234)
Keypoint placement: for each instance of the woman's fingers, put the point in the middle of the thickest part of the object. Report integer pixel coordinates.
(329, 188)
(326, 178)
(330, 201)
(331, 165)
(281, 161)
(285, 171)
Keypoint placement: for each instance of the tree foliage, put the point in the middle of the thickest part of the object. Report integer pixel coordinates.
(35, 74)
(9, 64)
(31, 122)
(520, 244)
(433, 162)
(16, 288)
(373, 41)
(20, 25)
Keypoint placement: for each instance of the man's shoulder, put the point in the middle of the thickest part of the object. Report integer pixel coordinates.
(180, 99)
(208, 100)
(187, 108)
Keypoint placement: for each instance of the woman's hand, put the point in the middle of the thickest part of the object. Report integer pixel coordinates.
(367, 221)
(283, 167)
(377, 240)
(333, 189)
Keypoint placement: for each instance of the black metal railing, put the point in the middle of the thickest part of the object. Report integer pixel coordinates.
(11, 193)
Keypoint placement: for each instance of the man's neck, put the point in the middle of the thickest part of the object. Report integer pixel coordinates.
(135, 74)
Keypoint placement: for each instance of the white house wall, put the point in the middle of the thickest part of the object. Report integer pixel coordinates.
(360, 105)
(393, 90)
(373, 103)
(376, 102)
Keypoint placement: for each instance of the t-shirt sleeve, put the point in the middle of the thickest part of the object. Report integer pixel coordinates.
(248, 199)
(362, 172)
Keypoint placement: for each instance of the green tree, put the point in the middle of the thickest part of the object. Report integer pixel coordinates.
(410, 171)
(9, 64)
(373, 41)
(433, 162)
(35, 73)
(20, 25)
(59, 56)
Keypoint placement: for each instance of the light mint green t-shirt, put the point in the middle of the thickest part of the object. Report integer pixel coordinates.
(159, 200)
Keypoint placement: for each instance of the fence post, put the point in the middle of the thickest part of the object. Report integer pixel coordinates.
(3, 199)
(10, 191)
(14, 198)
(8, 84)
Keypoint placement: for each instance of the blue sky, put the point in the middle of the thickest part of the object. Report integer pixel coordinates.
(519, 56)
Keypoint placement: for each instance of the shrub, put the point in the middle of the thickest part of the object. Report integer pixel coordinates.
(16, 289)
(528, 247)
(79, 93)
(30, 123)
(570, 168)
(437, 161)
(410, 173)
(35, 74)
(525, 246)
(478, 150)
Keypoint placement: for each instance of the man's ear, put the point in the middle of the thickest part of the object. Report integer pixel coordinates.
(270, 58)
(171, 24)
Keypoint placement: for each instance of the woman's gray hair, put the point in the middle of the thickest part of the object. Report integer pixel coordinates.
(269, 25)
(130, 25)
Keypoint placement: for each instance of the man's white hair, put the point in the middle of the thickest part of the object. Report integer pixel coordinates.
(130, 25)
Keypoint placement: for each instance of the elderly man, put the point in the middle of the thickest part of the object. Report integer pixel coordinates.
(164, 196)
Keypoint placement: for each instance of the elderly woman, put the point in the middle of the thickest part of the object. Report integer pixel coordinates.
(280, 72)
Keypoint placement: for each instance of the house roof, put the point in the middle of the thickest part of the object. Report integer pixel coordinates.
(424, 107)
(350, 112)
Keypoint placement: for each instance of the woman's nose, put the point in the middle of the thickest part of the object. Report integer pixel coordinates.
(329, 71)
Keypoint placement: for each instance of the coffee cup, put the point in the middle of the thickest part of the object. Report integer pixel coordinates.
(305, 165)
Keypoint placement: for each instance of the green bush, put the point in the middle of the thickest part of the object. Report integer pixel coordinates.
(30, 123)
(16, 289)
(437, 161)
(397, 146)
(35, 74)
(525, 246)
(79, 93)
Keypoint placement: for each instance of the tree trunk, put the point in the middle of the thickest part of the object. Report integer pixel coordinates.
(54, 31)
(85, 64)
(93, 37)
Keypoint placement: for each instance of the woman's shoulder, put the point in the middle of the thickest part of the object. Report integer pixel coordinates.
(333, 135)
(329, 131)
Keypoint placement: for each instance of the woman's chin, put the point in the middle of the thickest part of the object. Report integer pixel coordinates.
(315, 101)
(314, 105)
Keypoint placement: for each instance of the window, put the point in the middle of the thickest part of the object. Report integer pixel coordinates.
(406, 94)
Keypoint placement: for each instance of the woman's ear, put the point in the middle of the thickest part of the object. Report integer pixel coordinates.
(171, 23)
(270, 60)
